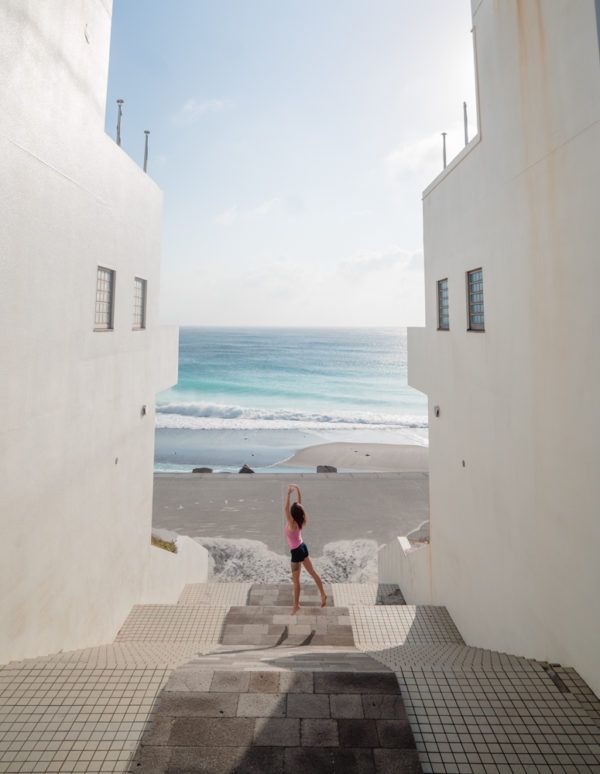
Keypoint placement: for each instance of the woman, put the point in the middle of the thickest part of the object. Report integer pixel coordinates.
(295, 519)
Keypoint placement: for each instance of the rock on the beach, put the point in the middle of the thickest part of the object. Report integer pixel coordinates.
(245, 469)
(202, 470)
(326, 469)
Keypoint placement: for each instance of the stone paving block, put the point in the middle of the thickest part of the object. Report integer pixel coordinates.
(158, 732)
(296, 682)
(211, 732)
(384, 706)
(358, 733)
(277, 732)
(308, 705)
(343, 682)
(225, 760)
(195, 704)
(394, 733)
(404, 762)
(230, 682)
(346, 705)
(264, 682)
(148, 760)
(353, 761)
(315, 760)
(260, 705)
(319, 733)
(189, 680)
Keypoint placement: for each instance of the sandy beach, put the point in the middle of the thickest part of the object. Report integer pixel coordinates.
(239, 518)
(384, 457)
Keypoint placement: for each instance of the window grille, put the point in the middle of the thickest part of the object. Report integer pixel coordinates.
(475, 299)
(443, 310)
(139, 303)
(105, 292)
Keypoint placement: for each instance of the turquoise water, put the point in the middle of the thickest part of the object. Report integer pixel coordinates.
(282, 389)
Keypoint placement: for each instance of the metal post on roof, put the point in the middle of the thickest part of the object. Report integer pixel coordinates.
(146, 132)
(444, 148)
(466, 122)
(119, 114)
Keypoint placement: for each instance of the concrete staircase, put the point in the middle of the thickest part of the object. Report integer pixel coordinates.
(227, 681)
(278, 694)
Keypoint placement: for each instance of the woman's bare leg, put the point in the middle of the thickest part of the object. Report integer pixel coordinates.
(296, 567)
(317, 579)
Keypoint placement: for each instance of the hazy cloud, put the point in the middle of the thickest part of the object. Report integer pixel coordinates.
(234, 214)
(422, 157)
(379, 261)
(193, 110)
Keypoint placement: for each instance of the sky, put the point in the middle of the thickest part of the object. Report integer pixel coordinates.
(292, 140)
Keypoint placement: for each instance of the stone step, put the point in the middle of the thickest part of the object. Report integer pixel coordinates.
(276, 721)
(276, 594)
(270, 626)
(297, 659)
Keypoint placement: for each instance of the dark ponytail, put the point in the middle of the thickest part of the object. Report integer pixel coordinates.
(297, 512)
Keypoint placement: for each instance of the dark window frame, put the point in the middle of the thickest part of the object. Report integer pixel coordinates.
(441, 327)
(475, 326)
(143, 306)
(99, 326)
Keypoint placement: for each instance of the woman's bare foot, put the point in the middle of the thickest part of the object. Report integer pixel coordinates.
(295, 610)
(324, 600)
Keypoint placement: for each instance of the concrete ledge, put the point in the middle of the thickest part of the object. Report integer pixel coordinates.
(167, 573)
(409, 567)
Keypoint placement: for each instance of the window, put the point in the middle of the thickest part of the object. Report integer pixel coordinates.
(139, 303)
(105, 296)
(443, 312)
(475, 299)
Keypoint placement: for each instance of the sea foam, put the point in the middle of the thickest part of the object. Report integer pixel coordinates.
(205, 416)
(344, 561)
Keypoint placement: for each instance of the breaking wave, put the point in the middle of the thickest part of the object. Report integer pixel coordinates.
(243, 560)
(205, 416)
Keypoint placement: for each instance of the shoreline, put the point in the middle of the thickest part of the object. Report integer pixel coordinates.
(276, 450)
(366, 457)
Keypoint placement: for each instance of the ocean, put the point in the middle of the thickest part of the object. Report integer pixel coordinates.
(257, 395)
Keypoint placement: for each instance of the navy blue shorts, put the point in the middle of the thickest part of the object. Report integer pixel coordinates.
(299, 554)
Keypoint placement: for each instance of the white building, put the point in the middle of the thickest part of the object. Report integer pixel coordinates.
(515, 450)
(78, 367)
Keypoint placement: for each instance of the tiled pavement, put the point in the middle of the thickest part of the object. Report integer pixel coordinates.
(215, 594)
(470, 709)
(367, 594)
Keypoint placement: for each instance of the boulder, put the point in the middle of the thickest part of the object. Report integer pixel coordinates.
(326, 469)
(245, 469)
(202, 470)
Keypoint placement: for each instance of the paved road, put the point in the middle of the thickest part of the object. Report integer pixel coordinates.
(376, 506)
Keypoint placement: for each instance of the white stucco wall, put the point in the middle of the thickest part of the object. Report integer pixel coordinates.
(76, 455)
(515, 532)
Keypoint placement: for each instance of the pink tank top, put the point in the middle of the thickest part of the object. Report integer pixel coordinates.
(294, 536)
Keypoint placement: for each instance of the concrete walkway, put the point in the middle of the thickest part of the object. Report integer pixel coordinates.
(282, 693)
(470, 710)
